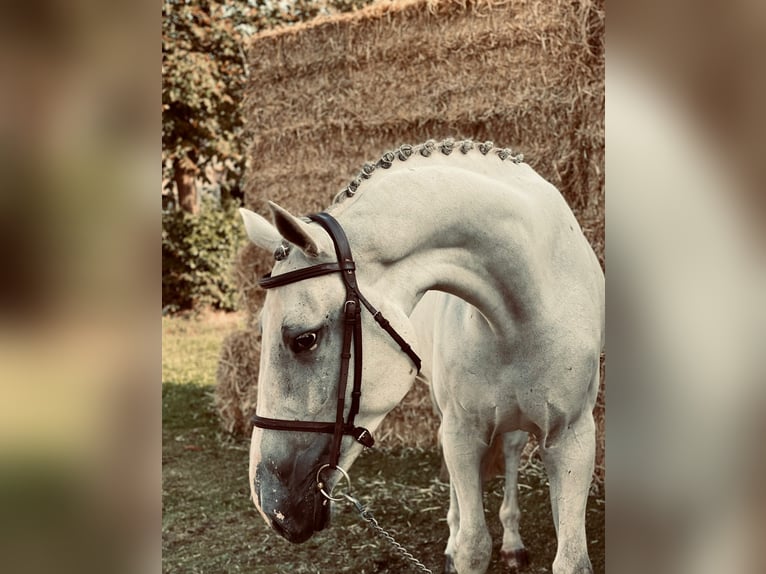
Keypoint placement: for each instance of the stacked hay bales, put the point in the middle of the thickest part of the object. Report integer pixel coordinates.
(236, 377)
(326, 96)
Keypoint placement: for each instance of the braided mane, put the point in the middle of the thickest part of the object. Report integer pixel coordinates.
(405, 151)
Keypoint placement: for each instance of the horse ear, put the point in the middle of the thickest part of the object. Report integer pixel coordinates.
(260, 231)
(309, 239)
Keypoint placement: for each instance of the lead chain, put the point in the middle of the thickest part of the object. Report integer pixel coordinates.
(370, 519)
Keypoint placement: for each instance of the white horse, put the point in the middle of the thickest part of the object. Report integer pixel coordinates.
(514, 349)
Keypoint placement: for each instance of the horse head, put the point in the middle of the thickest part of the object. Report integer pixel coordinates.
(303, 330)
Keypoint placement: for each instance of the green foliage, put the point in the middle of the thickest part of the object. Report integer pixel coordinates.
(203, 75)
(197, 257)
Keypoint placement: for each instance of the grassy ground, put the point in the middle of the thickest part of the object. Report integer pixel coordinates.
(191, 344)
(210, 526)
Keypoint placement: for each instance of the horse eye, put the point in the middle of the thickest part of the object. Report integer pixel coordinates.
(304, 342)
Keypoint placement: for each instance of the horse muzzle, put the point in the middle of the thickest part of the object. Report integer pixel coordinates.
(294, 513)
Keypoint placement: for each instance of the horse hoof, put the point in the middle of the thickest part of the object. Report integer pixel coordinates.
(449, 565)
(516, 560)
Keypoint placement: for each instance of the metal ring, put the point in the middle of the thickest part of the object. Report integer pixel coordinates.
(320, 484)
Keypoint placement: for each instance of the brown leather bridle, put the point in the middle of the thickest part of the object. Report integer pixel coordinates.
(352, 332)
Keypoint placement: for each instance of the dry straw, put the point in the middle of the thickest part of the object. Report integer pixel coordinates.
(328, 95)
(237, 374)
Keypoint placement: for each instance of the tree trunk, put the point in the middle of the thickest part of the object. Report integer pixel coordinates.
(185, 176)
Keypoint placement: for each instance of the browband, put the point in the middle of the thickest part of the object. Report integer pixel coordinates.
(267, 281)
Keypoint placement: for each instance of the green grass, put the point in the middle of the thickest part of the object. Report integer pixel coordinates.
(209, 524)
(191, 345)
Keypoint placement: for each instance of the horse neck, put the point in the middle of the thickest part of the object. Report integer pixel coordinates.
(448, 230)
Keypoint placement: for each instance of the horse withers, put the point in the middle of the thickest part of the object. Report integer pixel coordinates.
(511, 344)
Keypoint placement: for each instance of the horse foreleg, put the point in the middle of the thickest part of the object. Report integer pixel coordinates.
(453, 521)
(471, 547)
(569, 462)
(512, 552)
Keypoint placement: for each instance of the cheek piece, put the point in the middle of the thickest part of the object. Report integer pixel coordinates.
(352, 333)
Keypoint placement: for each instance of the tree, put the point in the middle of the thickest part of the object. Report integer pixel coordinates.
(203, 77)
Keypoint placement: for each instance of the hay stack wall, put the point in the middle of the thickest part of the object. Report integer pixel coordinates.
(326, 96)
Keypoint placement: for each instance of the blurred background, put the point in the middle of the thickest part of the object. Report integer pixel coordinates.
(80, 415)
(685, 305)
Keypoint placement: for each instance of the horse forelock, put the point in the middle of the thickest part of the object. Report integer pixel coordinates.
(425, 149)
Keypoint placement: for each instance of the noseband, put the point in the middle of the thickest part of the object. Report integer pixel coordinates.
(352, 332)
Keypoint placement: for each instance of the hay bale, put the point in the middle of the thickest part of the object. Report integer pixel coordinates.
(251, 264)
(328, 95)
(237, 377)
(412, 423)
